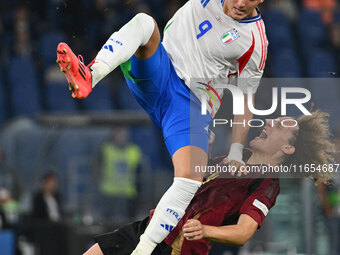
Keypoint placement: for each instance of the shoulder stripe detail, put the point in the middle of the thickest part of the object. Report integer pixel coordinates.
(243, 61)
(266, 44)
(263, 44)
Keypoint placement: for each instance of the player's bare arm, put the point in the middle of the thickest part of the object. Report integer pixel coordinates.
(239, 135)
(145, 52)
(238, 234)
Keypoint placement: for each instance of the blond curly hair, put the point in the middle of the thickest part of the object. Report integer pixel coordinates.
(313, 145)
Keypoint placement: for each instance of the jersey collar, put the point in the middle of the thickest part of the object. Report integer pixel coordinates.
(252, 19)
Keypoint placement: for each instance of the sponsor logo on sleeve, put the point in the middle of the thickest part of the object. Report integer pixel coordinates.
(261, 206)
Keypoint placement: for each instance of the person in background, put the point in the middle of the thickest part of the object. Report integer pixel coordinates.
(9, 205)
(326, 7)
(288, 7)
(46, 201)
(334, 38)
(9, 194)
(9, 209)
(119, 166)
(3, 199)
(48, 227)
(330, 202)
(22, 45)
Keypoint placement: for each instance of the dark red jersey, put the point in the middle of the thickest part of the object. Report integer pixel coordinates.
(220, 202)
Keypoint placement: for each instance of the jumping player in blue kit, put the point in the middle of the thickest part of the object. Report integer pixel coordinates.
(205, 39)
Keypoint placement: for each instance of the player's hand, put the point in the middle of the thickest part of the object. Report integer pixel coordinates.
(235, 159)
(225, 161)
(193, 230)
(238, 167)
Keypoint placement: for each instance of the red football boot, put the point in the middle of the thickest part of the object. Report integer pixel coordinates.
(77, 74)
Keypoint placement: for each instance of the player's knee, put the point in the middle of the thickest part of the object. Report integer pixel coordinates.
(186, 185)
(143, 17)
(147, 23)
(150, 38)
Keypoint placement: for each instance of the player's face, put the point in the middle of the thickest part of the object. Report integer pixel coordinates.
(276, 137)
(51, 185)
(241, 9)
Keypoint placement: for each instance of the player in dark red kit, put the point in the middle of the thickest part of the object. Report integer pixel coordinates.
(229, 210)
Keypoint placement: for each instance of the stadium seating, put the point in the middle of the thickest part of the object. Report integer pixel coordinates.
(312, 32)
(325, 95)
(320, 63)
(48, 47)
(58, 98)
(337, 16)
(70, 152)
(73, 139)
(24, 91)
(278, 31)
(126, 99)
(57, 19)
(286, 64)
(151, 148)
(7, 244)
(22, 156)
(99, 100)
(3, 108)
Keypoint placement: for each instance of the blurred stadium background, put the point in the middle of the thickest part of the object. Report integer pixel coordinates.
(44, 129)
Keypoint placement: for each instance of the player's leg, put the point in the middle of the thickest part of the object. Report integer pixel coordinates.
(186, 159)
(140, 36)
(174, 202)
(168, 101)
(122, 241)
